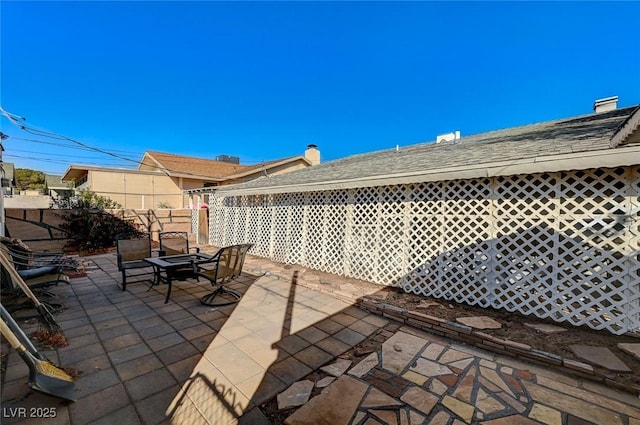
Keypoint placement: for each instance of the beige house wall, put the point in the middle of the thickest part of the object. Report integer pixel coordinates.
(135, 190)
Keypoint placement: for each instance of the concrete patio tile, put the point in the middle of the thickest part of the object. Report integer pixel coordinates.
(153, 409)
(136, 367)
(344, 319)
(196, 331)
(112, 332)
(349, 337)
(93, 364)
(224, 354)
(233, 331)
(176, 353)
(355, 312)
(313, 357)
(182, 369)
(217, 399)
(125, 416)
(261, 387)
(148, 322)
(80, 341)
(363, 327)
(312, 334)
(129, 353)
(333, 346)
(240, 369)
(376, 320)
(253, 417)
(155, 331)
(329, 326)
(79, 331)
(102, 403)
(145, 385)
(292, 344)
(164, 341)
(76, 355)
(185, 323)
(290, 370)
(121, 341)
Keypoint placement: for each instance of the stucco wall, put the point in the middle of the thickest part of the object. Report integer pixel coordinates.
(136, 190)
(40, 228)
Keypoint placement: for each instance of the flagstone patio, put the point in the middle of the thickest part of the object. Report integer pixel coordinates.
(146, 362)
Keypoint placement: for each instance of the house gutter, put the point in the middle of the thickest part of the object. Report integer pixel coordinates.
(620, 157)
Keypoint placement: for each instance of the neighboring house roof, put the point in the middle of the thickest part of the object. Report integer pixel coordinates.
(208, 169)
(77, 171)
(186, 166)
(9, 171)
(54, 181)
(568, 144)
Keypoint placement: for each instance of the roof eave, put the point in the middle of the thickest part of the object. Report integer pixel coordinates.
(626, 129)
(268, 167)
(623, 156)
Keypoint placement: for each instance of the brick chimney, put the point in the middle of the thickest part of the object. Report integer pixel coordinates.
(606, 104)
(312, 154)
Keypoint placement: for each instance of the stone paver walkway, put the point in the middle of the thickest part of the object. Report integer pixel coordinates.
(421, 379)
(146, 362)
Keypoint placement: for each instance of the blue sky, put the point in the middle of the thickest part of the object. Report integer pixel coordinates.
(263, 80)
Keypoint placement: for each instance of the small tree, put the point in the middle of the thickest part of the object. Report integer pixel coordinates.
(87, 223)
(29, 179)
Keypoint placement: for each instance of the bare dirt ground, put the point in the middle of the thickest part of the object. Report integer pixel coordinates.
(513, 329)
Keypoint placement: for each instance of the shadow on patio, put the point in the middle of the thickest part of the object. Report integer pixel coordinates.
(143, 361)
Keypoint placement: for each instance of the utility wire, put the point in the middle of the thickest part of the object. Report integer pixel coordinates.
(18, 121)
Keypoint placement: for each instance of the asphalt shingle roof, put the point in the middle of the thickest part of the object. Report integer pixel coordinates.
(177, 164)
(565, 136)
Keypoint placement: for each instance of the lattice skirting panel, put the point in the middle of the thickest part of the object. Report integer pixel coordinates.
(564, 246)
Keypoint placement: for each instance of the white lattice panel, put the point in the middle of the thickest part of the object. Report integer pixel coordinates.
(194, 221)
(564, 246)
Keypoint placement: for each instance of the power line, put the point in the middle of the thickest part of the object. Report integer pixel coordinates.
(18, 121)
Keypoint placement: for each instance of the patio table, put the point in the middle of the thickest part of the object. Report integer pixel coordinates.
(172, 265)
